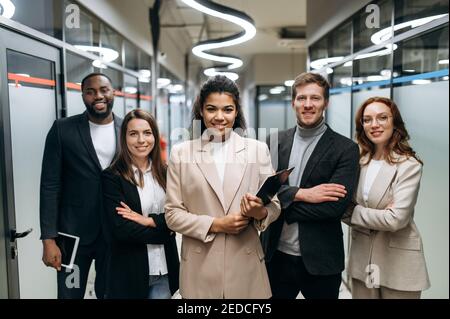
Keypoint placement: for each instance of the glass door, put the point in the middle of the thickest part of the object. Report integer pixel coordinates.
(30, 101)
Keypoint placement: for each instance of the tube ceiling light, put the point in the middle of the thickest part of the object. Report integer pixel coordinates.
(377, 38)
(234, 16)
(106, 54)
(7, 9)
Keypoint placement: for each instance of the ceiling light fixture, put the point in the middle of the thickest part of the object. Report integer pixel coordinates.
(377, 38)
(106, 55)
(213, 72)
(7, 9)
(234, 16)
(163, 82)
(386, 33)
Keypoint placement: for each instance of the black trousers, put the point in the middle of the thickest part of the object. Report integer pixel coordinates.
(72, 283)
(288, 276)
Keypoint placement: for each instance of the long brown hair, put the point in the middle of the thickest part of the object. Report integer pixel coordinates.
(398, 143)
(122, 165)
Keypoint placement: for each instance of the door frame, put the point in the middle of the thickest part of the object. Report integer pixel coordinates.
(11, 40)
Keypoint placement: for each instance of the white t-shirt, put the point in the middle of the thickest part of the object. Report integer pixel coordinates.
(219, 155)
(372, 172)
(104, 140)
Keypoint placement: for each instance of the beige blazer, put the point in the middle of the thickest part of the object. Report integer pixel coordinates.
(218, 265)
(389, 238)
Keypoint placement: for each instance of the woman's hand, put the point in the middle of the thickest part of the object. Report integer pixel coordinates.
(252, 206)
(127, 213)
(229, 224)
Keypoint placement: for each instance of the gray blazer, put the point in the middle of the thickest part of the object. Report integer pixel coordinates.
(383, 230)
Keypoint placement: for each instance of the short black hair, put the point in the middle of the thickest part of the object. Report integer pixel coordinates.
(87, 77)
(218, 84)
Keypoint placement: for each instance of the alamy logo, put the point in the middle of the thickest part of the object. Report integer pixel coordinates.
(73, 16)
(73, 280)
(373, 19)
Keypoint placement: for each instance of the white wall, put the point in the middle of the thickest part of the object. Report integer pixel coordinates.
(324, 15)
(277, 68)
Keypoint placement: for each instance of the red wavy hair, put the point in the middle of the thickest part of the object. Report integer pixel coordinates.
(398, 143)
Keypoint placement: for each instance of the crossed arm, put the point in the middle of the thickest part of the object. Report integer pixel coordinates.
(326, 201)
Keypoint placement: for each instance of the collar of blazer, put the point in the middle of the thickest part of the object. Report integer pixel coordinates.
(380, 184)
(235, 167)
(286, 140)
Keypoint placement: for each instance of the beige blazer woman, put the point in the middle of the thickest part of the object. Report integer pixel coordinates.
(388, 237)
(218, 265)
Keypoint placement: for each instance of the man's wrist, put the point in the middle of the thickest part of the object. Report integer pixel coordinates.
(299, 195)
(48, 241)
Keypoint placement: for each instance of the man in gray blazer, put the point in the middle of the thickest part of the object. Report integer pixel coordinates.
(77, 149)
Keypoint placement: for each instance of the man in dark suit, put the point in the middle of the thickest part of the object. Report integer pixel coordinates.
(304, 247)
(77, 149)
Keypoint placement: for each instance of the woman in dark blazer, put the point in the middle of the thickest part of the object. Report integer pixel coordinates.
(142, 258)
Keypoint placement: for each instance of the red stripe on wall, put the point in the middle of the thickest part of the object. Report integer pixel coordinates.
(25, 79)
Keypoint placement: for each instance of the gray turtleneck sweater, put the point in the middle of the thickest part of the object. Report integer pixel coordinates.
(305, 141)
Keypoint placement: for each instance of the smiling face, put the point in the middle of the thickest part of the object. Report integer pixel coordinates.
(219, 113)
(140, 139)
(378, 123)
(309, 105)
(98, 97)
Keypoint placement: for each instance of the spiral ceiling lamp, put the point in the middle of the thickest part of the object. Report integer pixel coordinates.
(225, 63)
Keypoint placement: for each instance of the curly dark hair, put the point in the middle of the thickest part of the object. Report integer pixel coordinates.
(398, 142)
(218, 84)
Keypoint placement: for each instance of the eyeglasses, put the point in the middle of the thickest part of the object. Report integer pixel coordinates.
(381, 119)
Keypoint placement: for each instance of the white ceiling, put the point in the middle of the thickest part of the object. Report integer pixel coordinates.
(269, 17)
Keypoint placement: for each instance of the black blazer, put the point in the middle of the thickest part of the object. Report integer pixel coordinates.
(70, 195)
(127, 273)
(334, 160)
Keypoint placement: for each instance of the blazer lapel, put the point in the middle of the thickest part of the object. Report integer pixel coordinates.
(83, 127)
(132, 195)
(321, 148)
(235, 167)
(208, 168)
(285, 148)
(381, 184)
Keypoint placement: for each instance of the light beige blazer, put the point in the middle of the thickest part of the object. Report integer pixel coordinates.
(389, 238)
(218, 265)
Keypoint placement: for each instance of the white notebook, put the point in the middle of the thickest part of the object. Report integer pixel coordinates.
(68, 244)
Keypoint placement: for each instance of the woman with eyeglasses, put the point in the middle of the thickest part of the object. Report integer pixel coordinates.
(386, 256)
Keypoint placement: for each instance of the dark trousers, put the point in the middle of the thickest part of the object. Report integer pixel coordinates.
(72, 283)
(288, 276)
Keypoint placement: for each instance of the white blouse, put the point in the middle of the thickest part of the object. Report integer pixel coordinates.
(152, 198)
(372, 172)
(219, 154)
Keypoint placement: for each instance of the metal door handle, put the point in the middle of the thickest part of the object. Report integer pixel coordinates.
(15, 234)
